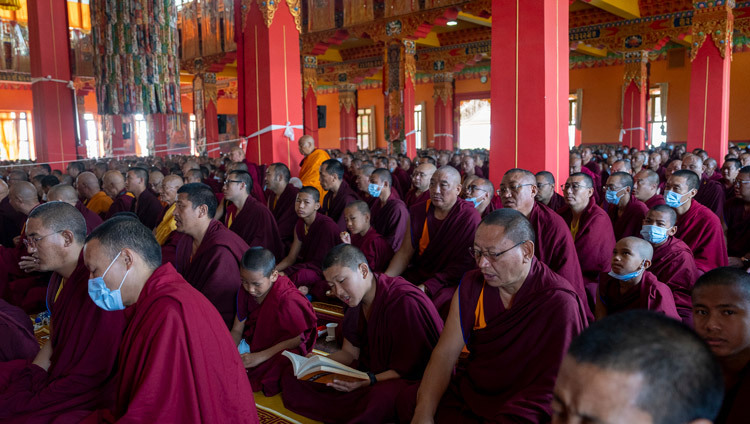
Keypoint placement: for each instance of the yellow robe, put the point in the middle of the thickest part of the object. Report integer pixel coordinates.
(166, 226)
(99, 203)
(309, 173)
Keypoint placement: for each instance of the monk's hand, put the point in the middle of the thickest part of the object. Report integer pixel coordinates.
(735, 262)
(251, 360)
(345, 237)
(304, 290)
(29, 264)
(347, 386)
(421, 287)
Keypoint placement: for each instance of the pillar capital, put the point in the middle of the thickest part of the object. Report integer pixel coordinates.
(635, 67)
(715, 20)
(268, 9)
(443, 87)
(347, 97)
(309, 72)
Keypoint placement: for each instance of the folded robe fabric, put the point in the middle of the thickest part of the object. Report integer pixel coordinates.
(390, 220)
(16, 333)
(701, 230)
(650, 294)
(673, 265)
(284, 213)
(255, 224)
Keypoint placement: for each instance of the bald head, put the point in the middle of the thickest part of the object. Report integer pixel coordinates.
(420, 179)
(23, 197)
(449, 173)
(113, 183)
(87, 184)
(306, 144)
(3, 190)
(694, 163)
(445, 186)
(63, 193)
(638, 245)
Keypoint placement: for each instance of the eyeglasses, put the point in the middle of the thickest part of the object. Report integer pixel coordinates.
(32, 241)
(233, 181)
(492, 257)
(739, 182)
(574, 186)
(540, 185)
(514, 189)
(472, 188)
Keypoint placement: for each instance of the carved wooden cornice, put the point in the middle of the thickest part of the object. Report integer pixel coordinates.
(635, 68)
(716, 21)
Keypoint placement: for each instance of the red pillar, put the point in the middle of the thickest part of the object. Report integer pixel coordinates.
(348, 118)
(633, 129)
(159, 132)
(711, 55)
(310, 83)
(443, 95)
(270, 81)
(54, 119)
(529, 73)
(398, 87)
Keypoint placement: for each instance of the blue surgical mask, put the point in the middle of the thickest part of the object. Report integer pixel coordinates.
(604, 156)
(654, 234)
(103, 297)
(672, 199)
(626, 277)
(374, 190)
(392, 169)
(475, 201)
(612, 197)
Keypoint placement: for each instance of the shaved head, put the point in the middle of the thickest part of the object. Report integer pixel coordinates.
(63, 193)
(24, 190)
(450, 173)
(89, 180)
(635, 244)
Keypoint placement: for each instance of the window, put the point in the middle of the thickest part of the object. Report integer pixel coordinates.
(16, 136)
(419, 124)
(193, 129)
(141, 135)
(474, 124)
(572, 119)
(92, 136)
(657, 117)
(365, 128)
(24, 147)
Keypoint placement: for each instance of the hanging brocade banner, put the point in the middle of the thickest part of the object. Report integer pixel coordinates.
(136, 61)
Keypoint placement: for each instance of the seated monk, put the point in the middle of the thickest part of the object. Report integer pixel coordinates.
(420, 184)
(193, 176)
(314, 235)
(237, 155)
(737, 217)
(166, 232)
(480, 193)
(546, 194)
(17, 334)
(672, 262)
(253, 222)
(389, 213)
(491, 315)
(710, 192)
(208, 253)
(401, 178)
(553, 245)
(365, 238)
(146, 205)
(272, 316)
(309, 168)
(592, 231)
(177, 362)
(389, 330)
(435, 252)
(281, 197)
(625, 211)
(576, 167)
(721, 303)
(729, 171)
(629, 286)
(93, 197)
(697, 226)
(11, 221)
(66, 193)
(637, 367)
(75, 368)
(113, 184)
(338, 192)
(646, 188)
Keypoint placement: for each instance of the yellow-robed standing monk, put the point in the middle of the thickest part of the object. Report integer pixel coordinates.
(309, 171)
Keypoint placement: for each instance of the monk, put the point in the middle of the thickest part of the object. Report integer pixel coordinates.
(697, 226)
(113, 184)
(272, 316)
(11, 221)
(576, 167)
(155, 178)
(721, 306)
(208, 253)
(146, 205)
(338, 192)
(468, 168)
(480, 192)
(655, 165)
(166, 232)
(672, 262)
(625, 210)
(389, 330)
(729, 171)
(17, 334)
(256, 171)
(67, 194)
(737, 217)
(281, 199)
(314, 235)
(361, 235)
(254, 223)
(75, 368)
(592, 231)
(420, 184)
(628, 368)
(390, 216)
(94, 198)
(177, 362)
(309, 171)
(646, 188)
(546, 194)
(402, 179)
(588, 161)
(710, 192)
(435, 252)
(491, 316)
(622, 165)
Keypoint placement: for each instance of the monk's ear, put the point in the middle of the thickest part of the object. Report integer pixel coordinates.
(364, 270)
(528, 250)
(646, 263)
(672, 231)
(274, 275)
(534, 190)
(68, 237)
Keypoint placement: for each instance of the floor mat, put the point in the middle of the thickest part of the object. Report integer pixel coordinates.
(271, 411)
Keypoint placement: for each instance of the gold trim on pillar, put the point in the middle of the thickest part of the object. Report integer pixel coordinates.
(715, 21)
(309, 73)
(268, 9)
(347, 97)
(635, 68)
(410, 64)
(443, 87)
(296, 11)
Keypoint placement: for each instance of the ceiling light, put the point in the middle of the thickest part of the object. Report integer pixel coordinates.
(452, 23)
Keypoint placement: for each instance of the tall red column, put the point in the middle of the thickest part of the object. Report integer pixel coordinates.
(633, 129)
(270, 80)
(310, 83)
(443, 95)
(529, 92)
(711, 55)
(54, 117)
(348, 117)
(398, 88)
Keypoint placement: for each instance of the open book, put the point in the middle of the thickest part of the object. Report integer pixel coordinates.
(322, 370)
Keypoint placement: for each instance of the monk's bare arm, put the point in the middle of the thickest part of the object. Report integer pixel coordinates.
(43, 358)
(254, 359)
(442, 361)
(348, 354)
(600, 311)
(291, 258)
(402, 258)
(237, 329)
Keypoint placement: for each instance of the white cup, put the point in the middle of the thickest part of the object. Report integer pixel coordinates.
(331, 328)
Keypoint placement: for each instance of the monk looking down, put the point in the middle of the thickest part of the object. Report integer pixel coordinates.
(281, 198)
(166, 232)
(113, 184)
(146, 205)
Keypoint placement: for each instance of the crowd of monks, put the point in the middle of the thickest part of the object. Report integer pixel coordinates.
(173, 285)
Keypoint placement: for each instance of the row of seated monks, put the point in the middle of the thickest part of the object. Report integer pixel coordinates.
(463, 303)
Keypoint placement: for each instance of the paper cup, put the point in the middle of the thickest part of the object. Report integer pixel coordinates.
(331, 328)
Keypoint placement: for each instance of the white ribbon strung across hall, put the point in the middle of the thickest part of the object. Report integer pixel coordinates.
(410, 133)
(625, 130)
(71, 85)
(443, 135)
(288, 130)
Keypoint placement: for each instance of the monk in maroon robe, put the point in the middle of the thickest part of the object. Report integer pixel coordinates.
(113, 184)
(389, 331)
(11, 221)
(208, 253)
(146, 205)
(281, 198)
(546, 194)
(177, 361)
(400, 175)
(625, 210)
(338, 195)
(646, 188)
(66, 193)
(710, 192)
(435, 252)
(256, 171)
(272, 317)
(389, 215)
(511, 305)
(17, 334)
(730, 171)
(576, 166)
(420, 184)
(737, 218)
(364, 237)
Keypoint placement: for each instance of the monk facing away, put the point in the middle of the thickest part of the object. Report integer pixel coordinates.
(309, 171)
(94, 198)
(66, 193)
(281, 197)
(637, 367)
(364, 237)
(512, 305)
(272, 316)
(389, 331)
(177, 361)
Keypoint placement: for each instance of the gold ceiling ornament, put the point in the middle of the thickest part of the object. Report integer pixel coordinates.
(268, 9)
(635, 67)
(717, 22)
(348, 97)
(10, 4)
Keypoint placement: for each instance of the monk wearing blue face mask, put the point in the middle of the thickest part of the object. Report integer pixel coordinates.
(629, 286)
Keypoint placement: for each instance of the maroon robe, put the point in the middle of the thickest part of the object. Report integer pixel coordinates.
(630, 222)
(734, 409)
(594, 243)
(284, 213)
(400, 334)
(673, 265)
(701, 230)
(84, 341)
(556, 202)
(404, 181)
(257, 172)
(649, 294)
(148, 208)
(177, 362)
(711, 195)
(478, 171)
(333, 205)
(656, 199)
(489, 209)
(375, 248)
(597, 179)
(17, 334)
(321, 237)
(256, 225)
(11, 222)
(390, 220)
(122, 203)
(447, 257)
(738, 224)
(285, 313)
(412, 199)
(169, 248)
(92, 219)
(214, 268)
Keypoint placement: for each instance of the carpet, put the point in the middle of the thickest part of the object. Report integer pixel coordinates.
(271, 411)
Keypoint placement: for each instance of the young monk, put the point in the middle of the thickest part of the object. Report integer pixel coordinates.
(389, 213)
(721, 312)
(389, 331)
(177, 362)
(629, 286)
(364, 237)
(338, 195)
(272, 316)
